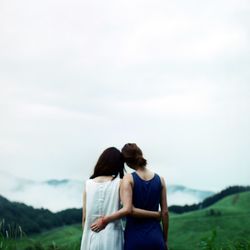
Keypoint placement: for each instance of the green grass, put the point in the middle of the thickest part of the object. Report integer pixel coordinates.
(228, 220)
(223, 226)
(67, 237)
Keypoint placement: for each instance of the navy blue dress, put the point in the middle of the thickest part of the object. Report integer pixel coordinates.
(141, 233)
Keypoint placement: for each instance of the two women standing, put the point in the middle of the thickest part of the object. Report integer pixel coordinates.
(141, 193)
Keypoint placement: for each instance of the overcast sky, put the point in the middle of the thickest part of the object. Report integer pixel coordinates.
(172, 76)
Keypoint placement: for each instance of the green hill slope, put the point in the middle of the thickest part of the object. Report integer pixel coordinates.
(34, 220)
(227, 221)
(225, 225)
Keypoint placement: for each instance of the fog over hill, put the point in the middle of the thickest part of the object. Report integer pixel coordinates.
(67, 193)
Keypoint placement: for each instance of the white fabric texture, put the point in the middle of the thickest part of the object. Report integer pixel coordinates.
(102, 199)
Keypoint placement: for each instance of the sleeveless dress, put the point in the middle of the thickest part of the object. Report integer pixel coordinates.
(141, 233)
(102, 199)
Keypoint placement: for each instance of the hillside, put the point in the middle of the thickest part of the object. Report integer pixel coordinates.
(227, 221)
(209, 200)
(32, 220)
(224, 224)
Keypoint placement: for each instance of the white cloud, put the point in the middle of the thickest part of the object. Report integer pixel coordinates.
(53, 112)
(177, 105)
(77, 77)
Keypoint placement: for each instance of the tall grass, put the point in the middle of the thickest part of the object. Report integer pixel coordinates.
(12, 237)
(9, 234)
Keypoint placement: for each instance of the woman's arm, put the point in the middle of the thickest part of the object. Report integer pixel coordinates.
(137, 212)
(141, 213)
(126, 198)
(126, 193)
(84, 209)
(164, 210)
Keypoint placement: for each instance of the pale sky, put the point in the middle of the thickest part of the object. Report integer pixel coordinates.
(172, 76)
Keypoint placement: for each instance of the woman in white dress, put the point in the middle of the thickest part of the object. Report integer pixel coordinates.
(102, 197)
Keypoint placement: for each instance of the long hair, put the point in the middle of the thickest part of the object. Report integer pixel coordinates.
(110, 162)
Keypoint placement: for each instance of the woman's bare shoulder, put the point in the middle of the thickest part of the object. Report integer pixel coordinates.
(163, 182)
(127, 177)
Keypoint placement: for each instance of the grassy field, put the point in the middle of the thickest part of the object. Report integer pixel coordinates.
(67, 237)
(223, 226)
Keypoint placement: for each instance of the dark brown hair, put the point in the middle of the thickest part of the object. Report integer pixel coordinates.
(110, 162)
(133, 156)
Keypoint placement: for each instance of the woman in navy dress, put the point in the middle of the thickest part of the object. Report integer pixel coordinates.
(149, 192)
(143, 190)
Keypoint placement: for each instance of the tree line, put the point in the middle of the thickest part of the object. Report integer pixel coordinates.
(210, 200)
(31, 220)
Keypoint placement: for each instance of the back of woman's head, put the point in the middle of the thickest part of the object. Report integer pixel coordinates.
(133, 156)
(110, 162)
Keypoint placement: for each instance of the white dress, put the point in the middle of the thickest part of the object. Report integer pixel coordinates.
(102, 199)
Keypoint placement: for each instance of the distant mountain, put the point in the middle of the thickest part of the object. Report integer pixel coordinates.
(53, 194)
(57, 195)
(57, 182)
